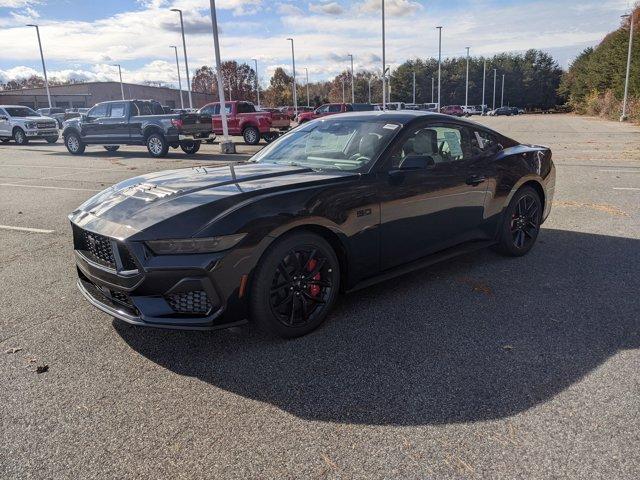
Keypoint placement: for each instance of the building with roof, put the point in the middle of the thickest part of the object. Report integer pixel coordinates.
(84, 95)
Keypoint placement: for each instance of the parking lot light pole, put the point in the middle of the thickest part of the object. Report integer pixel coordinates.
(186, 63)
(495, 71)
(353, 94)
(369, 82)
(44, 68)
(414, 88)
(484, 78)
(439, 63)
(466, 90)
(257, 83)
(306, 70)
(432, 89)
(623, 117)
(342, 89)
(226, 146)
(295, 93)
(384, 64)
(502, 96)
(121, 84)
(179, 79)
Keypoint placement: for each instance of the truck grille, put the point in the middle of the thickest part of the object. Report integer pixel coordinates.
(195, 302)
(46, 125)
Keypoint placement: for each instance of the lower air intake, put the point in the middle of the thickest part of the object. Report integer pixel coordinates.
(195, 302)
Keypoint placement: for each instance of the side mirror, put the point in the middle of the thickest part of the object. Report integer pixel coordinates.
(3, 118)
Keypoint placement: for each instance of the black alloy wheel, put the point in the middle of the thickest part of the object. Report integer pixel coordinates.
(190, 148)
(521, 223)
(295, 285)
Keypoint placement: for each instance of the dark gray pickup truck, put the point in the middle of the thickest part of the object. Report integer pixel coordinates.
(136, 122)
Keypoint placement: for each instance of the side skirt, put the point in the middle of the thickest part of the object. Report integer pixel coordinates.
(424, 262)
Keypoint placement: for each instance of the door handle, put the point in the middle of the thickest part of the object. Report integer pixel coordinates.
(475, 180)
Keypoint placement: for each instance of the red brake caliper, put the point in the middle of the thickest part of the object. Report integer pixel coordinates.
(314, 290)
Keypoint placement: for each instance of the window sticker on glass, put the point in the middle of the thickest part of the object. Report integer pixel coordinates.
(481, 141)
(453, 140)
(391, 126)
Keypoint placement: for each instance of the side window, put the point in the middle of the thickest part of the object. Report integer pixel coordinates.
(117, 110)
(245, 108)
(323, 109)
(429, 146)
(483, 144)
(99, 110)
(335, 108)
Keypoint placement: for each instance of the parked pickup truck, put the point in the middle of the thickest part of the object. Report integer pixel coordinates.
(23, 124)
(136, 122)
(332, 109)
(244, 120)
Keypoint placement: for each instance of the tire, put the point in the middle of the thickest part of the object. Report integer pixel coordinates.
(269, 137)
(20, 137)
(190, 148)
(51, 139)
(74, 144)
(5, 140)
(251, 135)
(111, 148)
(157, 145)
(286, 298)
(521, 223)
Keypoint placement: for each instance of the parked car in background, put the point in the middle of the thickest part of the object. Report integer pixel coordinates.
(333, 206)
(243, 119)
(501, 111)
(455, 110)
(56, 112)
(396, 105)
(136, 122)
(429, 107)
(334, 108)
(23, 124)
(521, 111)
(481, 109)
(289, 111)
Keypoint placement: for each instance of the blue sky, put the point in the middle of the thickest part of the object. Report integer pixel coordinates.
(82, 39)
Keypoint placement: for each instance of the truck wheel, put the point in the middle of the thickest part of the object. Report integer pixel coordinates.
(20, 137)
(111, 148)
(157, 145)
(74, 144)
(51, 139)
(270, 137)
(190, 148)
(5, 140)
(251, 135)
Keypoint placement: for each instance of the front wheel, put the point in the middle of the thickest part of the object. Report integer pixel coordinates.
(157, 145)
(111, 148)
(270, 137)
(190, 148)
(20, 137)
(521, 223)
(251, 135)
(74, 144)
(51, 139)
(295, 285)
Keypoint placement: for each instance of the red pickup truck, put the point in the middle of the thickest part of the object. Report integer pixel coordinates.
(243, 119)
(332, 109)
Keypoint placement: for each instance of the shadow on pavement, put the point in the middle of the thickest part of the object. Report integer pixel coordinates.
(481, 337)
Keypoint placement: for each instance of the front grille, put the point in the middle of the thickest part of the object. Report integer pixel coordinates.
(98, 247)
(46, 125)
(195, 302)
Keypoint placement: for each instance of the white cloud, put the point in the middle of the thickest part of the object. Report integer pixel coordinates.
(397, 8)
(331, 8)
(17, 3)
(289, 9)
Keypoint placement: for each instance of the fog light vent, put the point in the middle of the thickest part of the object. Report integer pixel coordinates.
(195, 302)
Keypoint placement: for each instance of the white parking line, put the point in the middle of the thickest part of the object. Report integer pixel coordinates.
(633, 189)
(66, 168)
(25, 229)
(49, 187)
(619, 170)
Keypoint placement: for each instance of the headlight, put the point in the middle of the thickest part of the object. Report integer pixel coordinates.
(31, 125)
(194, 245)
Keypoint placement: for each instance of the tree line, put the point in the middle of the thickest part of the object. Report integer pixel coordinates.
(594, 83)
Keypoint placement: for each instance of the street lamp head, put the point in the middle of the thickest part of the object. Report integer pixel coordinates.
(626, 15)
(33, 25)
(176, 10)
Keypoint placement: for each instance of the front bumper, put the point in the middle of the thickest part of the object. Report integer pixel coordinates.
(51, 132)
(168, 291)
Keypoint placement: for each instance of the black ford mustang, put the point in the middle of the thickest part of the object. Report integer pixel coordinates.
(334, 205)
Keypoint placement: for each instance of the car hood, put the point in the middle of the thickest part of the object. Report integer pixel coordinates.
(33, 118)
(192, 196)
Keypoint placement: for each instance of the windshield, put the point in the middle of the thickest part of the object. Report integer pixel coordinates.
(21, 112)
(331, 143)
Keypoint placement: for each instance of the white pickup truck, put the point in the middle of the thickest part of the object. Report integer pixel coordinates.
(23, 124)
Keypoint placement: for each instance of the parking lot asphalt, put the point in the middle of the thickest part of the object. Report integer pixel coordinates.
(483, 367)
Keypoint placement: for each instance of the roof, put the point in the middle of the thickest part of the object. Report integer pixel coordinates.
(399, 116)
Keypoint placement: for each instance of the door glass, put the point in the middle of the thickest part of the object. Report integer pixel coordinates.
(117, 110)
(98, 111)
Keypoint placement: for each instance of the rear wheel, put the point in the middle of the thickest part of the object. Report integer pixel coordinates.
(295, 285)
(74, 144)
(270, 137)
(521, 223)
(251, 135)
(20, 137)
(111, 148)
(157, 145)
(190, 148)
